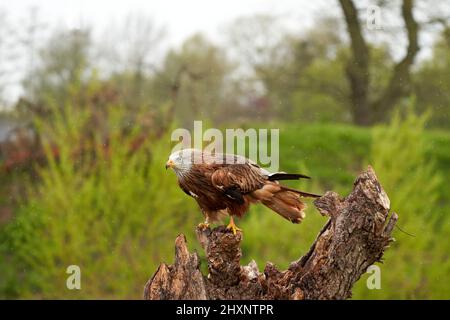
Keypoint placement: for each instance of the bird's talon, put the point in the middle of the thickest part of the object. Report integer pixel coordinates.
(234, 228)
(203, 225)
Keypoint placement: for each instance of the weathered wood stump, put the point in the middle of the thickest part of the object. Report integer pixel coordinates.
(354, 238)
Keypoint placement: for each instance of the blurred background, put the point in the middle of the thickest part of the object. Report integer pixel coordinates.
(91, 90)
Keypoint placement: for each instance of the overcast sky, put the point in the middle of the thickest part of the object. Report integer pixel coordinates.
(179, 18)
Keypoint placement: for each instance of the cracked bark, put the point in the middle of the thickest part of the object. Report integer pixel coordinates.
(355, 237)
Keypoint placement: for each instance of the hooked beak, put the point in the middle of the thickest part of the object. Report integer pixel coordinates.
(170, 164)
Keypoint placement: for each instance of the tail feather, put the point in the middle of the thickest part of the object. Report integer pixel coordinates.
(302, 193)
(288, 205)
(286, 176)
(283, 200)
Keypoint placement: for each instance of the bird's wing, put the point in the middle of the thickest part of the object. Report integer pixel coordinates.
(235, 180)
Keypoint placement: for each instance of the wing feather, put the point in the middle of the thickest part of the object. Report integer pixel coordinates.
(237, 178)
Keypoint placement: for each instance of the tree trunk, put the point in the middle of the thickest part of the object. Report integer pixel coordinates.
(367, 110)
(354, 238)
(358, 68)
(400, 81)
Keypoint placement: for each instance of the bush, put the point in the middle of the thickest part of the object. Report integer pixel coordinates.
(416, 267)
(110, 211)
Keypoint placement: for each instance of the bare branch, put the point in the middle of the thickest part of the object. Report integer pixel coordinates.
(399, 83)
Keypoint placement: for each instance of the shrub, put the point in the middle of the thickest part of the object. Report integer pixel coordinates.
(416, 266)
(111, 211)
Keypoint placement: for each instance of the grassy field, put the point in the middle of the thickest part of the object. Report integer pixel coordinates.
(118, 219)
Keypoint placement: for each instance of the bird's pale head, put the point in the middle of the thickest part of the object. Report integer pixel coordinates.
(181, 161)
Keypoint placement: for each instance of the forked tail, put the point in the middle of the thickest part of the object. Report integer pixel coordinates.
(283, 200)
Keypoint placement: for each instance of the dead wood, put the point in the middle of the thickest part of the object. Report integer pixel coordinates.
(357, 232)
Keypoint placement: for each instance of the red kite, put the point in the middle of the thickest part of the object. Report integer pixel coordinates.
(227, 184)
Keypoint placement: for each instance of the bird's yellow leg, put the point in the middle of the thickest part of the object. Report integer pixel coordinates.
(231, 226)
(204, 225)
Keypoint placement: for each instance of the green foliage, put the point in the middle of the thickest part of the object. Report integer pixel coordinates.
(63, 62)
(110, 211)
(415, 267)
(311, 104)
(116, 214)
(322, 94)
(432, 83)
(193, 77)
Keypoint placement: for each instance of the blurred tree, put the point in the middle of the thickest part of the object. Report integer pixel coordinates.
(18, 44)
(301, 74)
(3, 26)
(192, 80)
(33, 28)
(366, 110)
(64, 63)
(129, 55)
(320, 95)
(8, 56)
(264, 45)
(323, 96)
(432, 82)
(368, 107)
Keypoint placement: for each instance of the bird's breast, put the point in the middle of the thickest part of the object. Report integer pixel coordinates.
(201, 189)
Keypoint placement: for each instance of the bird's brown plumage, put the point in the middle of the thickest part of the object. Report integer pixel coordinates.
(224, 183)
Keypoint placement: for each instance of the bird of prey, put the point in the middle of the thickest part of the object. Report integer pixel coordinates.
(227, 184)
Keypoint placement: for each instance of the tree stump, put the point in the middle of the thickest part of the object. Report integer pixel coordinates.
(354, 238)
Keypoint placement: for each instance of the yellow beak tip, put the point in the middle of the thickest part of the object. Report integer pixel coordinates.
(169, 164)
